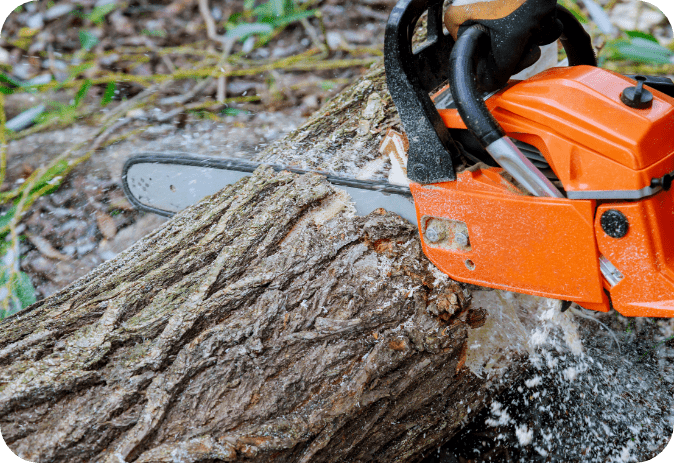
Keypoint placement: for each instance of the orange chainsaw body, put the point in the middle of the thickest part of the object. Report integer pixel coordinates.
(496, 236)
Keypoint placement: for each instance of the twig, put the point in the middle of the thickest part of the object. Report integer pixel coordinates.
(222, 80)
(182, 99)
(135, 101)
(3, 140)
(321, 65)
(588, 317)
(313, 35)
(55, 123)
(211, 30)
(166, 59)
(37, 175)
(210, 104)
(106, 133)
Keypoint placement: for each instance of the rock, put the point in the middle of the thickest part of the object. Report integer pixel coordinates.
(58, 11)
(4, 56)
(35, 21)
(106, 225)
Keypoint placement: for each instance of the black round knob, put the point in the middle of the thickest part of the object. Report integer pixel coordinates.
(614, 223)
(637, 97)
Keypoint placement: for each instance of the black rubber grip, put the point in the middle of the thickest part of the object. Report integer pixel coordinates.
(577, 43)
(463, 65)
(463, 84)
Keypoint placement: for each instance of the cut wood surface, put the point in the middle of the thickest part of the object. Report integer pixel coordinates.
(266, 323)
(343, 136)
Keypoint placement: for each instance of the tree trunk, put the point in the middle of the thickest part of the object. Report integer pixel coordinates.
(266, 324)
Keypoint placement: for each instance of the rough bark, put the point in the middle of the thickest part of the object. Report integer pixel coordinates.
(266, 323)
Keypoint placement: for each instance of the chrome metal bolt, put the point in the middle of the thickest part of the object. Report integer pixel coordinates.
(461, 239)
(434, 234)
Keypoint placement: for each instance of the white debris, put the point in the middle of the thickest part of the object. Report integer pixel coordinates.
(570, 374)
(501, 413)
(533, 382)
(538, 337)
(524, 435)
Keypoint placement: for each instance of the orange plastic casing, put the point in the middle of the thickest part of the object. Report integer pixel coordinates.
(551, 247)
(645, 256)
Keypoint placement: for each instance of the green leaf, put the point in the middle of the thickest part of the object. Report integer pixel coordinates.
(4, 78)
(639, 50)
(79, 69)
(100, 12)
(279, 7)
(244, 30)
(233, 20)
(24, 290)
(575, 10)
(87, 40)
(7, 216)
(642, 35)
(82, 92)
(291, 18)
(233, 112)
(109, 94)
(264, 11)
(50, 177)
(328, 85)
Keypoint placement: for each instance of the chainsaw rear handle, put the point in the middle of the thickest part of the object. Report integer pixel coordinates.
(472, 44)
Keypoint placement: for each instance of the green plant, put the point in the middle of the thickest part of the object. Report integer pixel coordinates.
(18, 292)
(263, 19)
(154, 32)
(87, 40)
(16, 289)
(98, 14)
(65, 113)
(637, 46)
(233, 112)
(109, 94)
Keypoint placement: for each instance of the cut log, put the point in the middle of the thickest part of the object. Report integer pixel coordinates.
(267, 324)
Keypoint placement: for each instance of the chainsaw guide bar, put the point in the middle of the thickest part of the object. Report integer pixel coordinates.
(166, 183)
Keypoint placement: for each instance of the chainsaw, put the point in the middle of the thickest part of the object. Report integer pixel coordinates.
(555, 186)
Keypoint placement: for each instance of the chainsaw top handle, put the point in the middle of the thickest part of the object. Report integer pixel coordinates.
(412, 75)
(471, 46)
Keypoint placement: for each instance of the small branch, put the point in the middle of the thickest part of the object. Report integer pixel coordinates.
(182, 99)
(135, 101)
(315, 39)
(222, 80)
(3, 140)
(211, 31)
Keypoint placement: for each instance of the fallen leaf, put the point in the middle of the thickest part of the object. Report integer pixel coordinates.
(45, 248)
(106, 225)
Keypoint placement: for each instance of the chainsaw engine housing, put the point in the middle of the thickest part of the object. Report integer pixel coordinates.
(612, 161)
